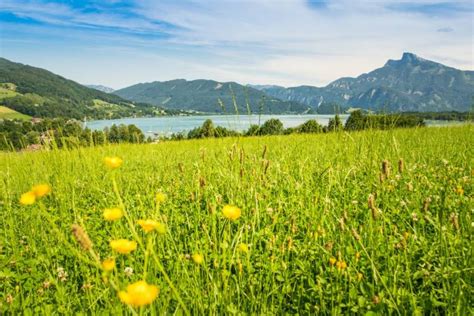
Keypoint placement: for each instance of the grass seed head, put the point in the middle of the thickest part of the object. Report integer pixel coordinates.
(386, 168)
(355, 234)
(426, 204)
(81, 237)
(453, 218)
(401, 165)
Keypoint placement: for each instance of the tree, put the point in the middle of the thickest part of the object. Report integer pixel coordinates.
(311, 126)
(252, 131)
(208, 129)
(271, 127)
(334, 124)
(355, 121)
(136, 134)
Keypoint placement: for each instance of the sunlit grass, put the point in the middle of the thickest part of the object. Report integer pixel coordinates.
(263, 225)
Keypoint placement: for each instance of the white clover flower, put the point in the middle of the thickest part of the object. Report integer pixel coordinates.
(128, 271)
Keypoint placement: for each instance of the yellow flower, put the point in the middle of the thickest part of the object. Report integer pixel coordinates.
(139, 294)
(459, 190)
(41, 190)
(123, 246)
(357, 255)
(148, 225)
(360, 276)
(231, 212)
(108, 264)
(341, 265)
(28, 198)
(198, 258)
(332, 261)
(113, 162)
(160, 197)
(244, 248)
(112, 214)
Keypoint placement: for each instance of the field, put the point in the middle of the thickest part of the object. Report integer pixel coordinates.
(371, 223)
(7, 113)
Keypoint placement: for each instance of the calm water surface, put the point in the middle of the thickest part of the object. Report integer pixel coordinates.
(175, 124)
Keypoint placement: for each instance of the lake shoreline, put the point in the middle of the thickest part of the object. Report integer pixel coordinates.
(166, 125)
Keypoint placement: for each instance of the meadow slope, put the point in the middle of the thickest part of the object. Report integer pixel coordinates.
(308, 239)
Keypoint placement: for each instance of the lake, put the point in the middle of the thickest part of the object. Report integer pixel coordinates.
(174, 124)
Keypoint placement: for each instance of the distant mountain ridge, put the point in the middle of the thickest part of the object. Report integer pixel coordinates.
(100, 88)
(409, 84)
(208, 96)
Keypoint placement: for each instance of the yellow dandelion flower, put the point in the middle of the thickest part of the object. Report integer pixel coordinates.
(341, 265)
(459, 190)
(244, 248)
(332, 261)
(108, 264)
(160, 197)
(113, 162)
(41, 190)
(149, 225)
(360, 276)
(123, 246)
(357, 255)
(112, 214)
(198, 258)
(28, 198)
(231, 212)
(139, 294)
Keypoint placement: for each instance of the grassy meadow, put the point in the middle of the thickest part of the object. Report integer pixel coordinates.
(323, 227)
(9, 114)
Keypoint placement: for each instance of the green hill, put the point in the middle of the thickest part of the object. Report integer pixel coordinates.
(9, 114)
(37, 92)
(204, 95)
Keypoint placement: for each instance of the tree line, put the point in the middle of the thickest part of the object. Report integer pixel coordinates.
(358, 120)
(59, 133)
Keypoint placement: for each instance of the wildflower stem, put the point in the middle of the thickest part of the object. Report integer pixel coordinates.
(170, 283)
(147, 255)
(125, 213)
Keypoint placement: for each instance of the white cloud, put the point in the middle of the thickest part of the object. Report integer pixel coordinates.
(283, 42)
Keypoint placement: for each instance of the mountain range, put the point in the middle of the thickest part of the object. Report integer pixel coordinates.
(409, 84)
(100, 88)
(209, 96)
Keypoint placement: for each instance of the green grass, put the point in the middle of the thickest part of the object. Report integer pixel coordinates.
(7, 91)
(103, 104)
(303, 200)
(9, 114)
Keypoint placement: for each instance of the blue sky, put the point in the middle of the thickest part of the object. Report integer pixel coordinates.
(286, 42)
